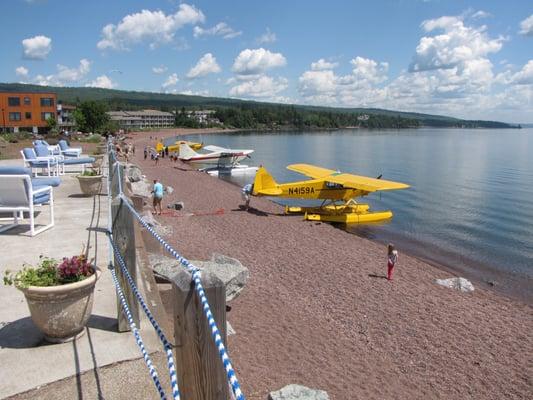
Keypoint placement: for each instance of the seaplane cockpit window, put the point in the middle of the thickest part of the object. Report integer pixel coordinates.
(332, 185)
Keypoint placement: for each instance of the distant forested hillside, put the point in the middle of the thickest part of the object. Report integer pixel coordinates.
(252, 114)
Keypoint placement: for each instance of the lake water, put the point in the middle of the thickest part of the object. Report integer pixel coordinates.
(470, 205)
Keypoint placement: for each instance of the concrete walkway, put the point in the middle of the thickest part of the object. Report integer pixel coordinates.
(26, 361)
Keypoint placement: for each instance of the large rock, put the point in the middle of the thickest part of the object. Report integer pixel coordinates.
(141, 188)
(134, 173)
(462, 284)
(162, 230)
(298, 392)
(227, 269)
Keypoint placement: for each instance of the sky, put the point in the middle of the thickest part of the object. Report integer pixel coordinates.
(467, 59)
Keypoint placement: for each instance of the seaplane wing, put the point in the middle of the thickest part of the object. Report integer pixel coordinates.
(214, 148)
(311, 170)
(364, 183)
(222, 150)
(347, 180)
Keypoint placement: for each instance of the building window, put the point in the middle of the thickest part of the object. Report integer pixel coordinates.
(28, 115)
(47, 102)
(14, 116)
(46, 115)
(13, 101)
(27, 101)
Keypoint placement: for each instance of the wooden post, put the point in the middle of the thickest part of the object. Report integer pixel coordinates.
(124, 236)
(138, 202)
(201, 373)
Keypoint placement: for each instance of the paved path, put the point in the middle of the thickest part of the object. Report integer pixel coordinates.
(26, 361)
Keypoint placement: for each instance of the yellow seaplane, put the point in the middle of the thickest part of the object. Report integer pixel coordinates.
(338, 191)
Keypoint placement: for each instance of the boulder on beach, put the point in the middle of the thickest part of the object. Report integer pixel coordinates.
(134, 173)
(462, 284)
(141, 188)
(298, 392)
(228, 270)
(177, 205)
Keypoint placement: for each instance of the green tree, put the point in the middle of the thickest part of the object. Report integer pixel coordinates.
(79, 119)
(94, 118)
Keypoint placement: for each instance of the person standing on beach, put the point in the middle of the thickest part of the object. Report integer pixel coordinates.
(158, 196)
(246, 192)
(391, 261)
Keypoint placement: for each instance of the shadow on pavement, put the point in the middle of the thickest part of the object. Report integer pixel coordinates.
(21, 334)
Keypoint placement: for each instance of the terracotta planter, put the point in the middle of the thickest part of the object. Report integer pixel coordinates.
(61, 312)
(90, 185)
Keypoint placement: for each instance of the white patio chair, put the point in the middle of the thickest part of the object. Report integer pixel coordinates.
(49, 163)
(17, 196)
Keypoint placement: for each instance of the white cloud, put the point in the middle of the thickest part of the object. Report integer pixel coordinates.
(480, 14)
(171, 81)
(263, 87)
(321, 84)
(103, 82)
(267, 37)
(205, 65)
(159, 70)
(257, 61)
(194, 93)
(220, 29)
(322, 64)
(457, 45)
(37, 47)
(65, 75)
(522, 77)
(22, 71)
(526, 26)
(369, 70)
(152, 26)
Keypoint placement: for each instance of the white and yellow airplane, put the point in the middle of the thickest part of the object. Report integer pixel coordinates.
(337, 190)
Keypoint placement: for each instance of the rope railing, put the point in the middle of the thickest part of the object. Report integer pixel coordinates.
(196, 277)
(115, 172)
(142, 302)
(129, 317)
(137, 335)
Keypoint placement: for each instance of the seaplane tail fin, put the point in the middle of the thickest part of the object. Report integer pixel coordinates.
(186, 153)
(264, 184)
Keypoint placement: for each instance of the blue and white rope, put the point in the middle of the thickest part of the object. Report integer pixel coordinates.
(232, 378)
(162, 337)
(138, 339)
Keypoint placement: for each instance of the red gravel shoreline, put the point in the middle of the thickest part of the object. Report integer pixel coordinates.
(317, 312)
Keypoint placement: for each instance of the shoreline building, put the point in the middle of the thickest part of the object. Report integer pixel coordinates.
(26, 110)
(65, 116)
(142, 119)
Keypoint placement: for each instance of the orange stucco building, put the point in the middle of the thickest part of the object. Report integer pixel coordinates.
(28, 111)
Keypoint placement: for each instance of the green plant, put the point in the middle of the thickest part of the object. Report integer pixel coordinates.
(90, 172)
(49, 272)
(96, 138)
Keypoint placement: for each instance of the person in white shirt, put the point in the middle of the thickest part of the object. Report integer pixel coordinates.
(246, 192)
(392, 260)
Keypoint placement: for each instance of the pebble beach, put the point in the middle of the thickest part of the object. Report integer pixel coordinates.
(318, 311)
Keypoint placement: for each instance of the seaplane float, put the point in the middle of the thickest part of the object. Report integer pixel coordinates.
(217, 160)
(336, 189)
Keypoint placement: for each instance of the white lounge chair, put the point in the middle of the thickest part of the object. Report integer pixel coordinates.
(68, 151)
(18, 195)
(49, 163)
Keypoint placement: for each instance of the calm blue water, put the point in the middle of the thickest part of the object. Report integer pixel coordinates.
(470, 205)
